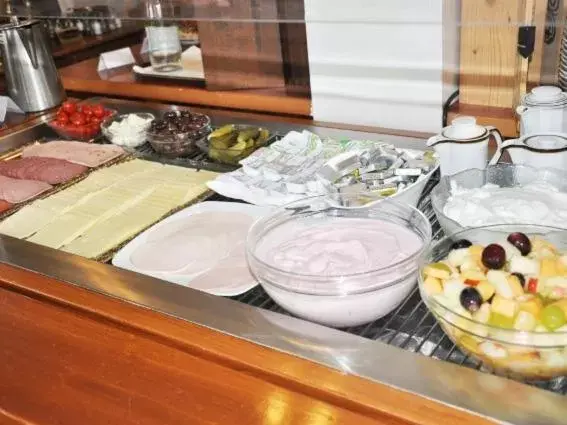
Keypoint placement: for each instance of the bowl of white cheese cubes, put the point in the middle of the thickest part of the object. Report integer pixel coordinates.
(127, 130)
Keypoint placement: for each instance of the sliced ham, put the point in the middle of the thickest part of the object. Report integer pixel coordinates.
(49, 170)
(16, 191)
(88, 154)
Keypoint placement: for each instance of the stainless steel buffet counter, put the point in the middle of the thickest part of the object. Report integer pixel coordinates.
(406, 349)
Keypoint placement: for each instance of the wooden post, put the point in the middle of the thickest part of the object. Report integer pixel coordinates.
(489, 59)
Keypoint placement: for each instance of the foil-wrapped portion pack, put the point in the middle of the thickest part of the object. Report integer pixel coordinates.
(382, 170)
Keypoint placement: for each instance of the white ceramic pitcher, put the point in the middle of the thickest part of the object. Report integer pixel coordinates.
(544, 150)
(463, 145)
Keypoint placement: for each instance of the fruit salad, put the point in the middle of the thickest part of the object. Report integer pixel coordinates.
(505, 302)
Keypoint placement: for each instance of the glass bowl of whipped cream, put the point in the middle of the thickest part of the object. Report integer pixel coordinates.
(339, 260)
(501, 194)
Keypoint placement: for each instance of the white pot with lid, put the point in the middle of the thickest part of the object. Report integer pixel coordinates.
(543, 110)
(463, 145)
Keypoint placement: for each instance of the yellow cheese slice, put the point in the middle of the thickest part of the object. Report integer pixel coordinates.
(110, 233)
(80, 219)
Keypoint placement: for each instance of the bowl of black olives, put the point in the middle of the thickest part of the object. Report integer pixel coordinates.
(176, 133)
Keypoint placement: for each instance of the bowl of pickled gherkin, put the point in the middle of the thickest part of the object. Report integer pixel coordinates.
(231, 143)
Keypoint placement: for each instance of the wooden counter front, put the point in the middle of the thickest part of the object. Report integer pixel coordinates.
(71, 356)
(83, 78)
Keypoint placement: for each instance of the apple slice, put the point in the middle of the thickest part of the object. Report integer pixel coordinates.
(524, 265)
(525, 321)
(432, 286)
(458, 256)
(505, 287)
(486, 290)
(504, 306)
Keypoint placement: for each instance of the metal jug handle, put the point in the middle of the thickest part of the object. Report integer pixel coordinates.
(507, 144)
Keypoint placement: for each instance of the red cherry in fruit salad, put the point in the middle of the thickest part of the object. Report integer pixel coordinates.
(98, 111)
(69, 107)
(520, 241)
(77, 119)
(493, 256)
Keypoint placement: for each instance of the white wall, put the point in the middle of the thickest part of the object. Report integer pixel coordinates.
(381, 62)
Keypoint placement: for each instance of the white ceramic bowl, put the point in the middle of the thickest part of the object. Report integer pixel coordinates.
(337, 300)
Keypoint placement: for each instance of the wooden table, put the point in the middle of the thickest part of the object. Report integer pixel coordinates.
(83, 79)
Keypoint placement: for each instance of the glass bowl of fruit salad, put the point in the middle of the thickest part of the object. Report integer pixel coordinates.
(500, 293)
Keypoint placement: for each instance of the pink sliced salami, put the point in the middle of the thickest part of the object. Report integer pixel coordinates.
(88, 154)
(49, 170)
(16, 191)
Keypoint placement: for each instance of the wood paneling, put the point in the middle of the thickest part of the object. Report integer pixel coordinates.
(70, 356)
(536, 63)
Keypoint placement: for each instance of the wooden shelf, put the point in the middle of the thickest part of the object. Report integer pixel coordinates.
(83, 79)
(503, 119)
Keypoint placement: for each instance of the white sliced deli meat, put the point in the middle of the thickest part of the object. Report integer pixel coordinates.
(89, 154)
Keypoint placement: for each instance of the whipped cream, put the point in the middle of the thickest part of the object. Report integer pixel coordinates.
(337, 246)
(130, 132)
(534, 203)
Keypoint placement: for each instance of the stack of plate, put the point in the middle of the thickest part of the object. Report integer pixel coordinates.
(562, 71)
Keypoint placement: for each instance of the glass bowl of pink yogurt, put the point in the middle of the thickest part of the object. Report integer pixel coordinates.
(338, 261)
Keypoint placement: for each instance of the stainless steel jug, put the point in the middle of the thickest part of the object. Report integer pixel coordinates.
(32, 80)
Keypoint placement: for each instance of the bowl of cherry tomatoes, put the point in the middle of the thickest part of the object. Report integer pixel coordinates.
(80, 121)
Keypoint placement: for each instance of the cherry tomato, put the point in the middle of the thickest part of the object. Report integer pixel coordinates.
(87, 110)
(69, 107)
(62, 118)
(98, 110)
(77, 119)
(96, 120)
(108, 113)
(94, 128)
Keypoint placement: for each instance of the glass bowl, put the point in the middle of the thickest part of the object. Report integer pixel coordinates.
(503, 175)
(228, 149)
(179, 144)
(328, 290)
(82, 133)
(135, 137)
(520, 354)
